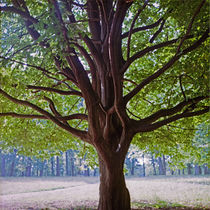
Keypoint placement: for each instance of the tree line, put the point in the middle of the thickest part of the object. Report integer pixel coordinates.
(69, 163)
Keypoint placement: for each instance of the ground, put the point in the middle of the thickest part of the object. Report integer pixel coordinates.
(79, 192)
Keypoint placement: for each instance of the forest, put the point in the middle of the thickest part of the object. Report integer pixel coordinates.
(68, 164)
(137, 163)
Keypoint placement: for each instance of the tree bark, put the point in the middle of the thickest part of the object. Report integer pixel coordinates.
(72, 168)
(133, 166)
(153, 165)
(3, 165)
(189, 171)
(144, 169)
(52, 166)
(206, 169)
(67, 163)
(28, 167)
(161, 171)
(13, 160)
(164, 165)
(42, 165)
(57, 166)
(198, 170)
(114, 194)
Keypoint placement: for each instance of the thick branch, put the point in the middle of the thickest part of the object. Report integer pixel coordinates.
(90, 63)
(36, 116)
(165, 67)
(19, 12)
(142, 28)
(74, 117)
(27, 116)
(94, 52)
(145, 51)
(116, 58)
(74, 62)
(52, 107)
(157, 32)
(61, 92)
(81, 134)
(175, 118)
(174, 110)
(93, 19)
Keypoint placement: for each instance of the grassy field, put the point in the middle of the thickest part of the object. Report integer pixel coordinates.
(74, 192)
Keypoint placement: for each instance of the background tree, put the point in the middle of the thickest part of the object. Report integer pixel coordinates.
(103, 71)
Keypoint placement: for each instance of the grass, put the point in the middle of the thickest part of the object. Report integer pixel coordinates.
(82, 193)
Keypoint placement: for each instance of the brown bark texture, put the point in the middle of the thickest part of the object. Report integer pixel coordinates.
(113, 191)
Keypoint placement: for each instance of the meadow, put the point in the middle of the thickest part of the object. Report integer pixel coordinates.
(82, 192)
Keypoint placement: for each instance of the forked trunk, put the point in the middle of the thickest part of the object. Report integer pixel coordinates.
(114, 194)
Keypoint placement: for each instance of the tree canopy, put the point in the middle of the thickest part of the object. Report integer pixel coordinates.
(106, 72)
(164, 65)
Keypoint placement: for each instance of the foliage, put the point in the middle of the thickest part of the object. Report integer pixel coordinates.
(50, 67)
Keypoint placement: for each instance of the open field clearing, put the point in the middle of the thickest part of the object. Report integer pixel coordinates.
(66, 193)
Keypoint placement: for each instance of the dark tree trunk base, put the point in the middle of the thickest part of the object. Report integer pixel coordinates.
(114, 194)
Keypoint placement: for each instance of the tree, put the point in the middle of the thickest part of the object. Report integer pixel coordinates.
(103, 71)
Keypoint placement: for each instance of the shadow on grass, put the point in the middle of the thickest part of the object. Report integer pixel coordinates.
(165, 206)
(144, 206)
(141, 208)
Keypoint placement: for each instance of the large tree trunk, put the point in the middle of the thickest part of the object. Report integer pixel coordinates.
(114, 194)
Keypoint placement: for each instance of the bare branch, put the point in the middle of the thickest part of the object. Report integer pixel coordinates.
(157, 32)
(142, 28)
(180, 83)
(131, 81)
(133, 114)
(52, 107)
